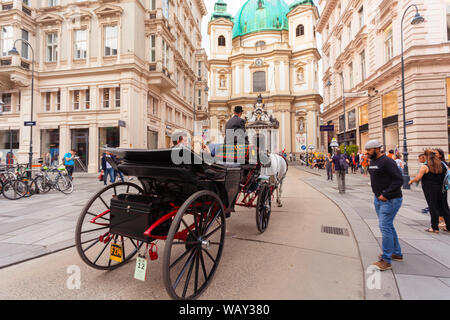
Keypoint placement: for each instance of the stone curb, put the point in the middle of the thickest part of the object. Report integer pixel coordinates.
(368, 247)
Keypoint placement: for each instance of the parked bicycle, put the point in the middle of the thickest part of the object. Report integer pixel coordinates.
(55, 178)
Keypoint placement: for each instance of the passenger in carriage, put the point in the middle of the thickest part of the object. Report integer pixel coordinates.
(179, 139)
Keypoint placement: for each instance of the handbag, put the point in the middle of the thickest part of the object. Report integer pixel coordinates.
(100, 177)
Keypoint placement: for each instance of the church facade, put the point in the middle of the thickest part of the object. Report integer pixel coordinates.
(268, 49)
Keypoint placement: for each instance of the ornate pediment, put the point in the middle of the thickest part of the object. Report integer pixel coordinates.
(49, 18)
(108, 10)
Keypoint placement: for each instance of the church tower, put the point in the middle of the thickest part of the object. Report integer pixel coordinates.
(220, 30)
(302, 18)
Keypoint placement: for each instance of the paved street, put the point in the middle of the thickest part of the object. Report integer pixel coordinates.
(292, 260)
(425, 273)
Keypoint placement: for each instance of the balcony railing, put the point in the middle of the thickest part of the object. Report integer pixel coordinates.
(7, 6)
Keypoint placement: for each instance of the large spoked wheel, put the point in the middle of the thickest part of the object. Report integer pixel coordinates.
(194, 246)
(263, 207)
(92, 237)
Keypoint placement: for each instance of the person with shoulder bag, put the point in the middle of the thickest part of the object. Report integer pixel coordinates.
(340, 166)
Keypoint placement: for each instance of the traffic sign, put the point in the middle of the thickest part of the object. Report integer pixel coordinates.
(303, 147)
(311, 147)
(327, 128)
(30, 123)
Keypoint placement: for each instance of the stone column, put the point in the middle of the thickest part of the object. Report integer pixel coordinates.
(64, 140)
(94, 150)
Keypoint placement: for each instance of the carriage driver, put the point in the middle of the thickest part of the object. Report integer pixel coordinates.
(235, 128)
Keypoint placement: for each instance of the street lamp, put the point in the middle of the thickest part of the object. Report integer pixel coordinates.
(415, 21)
(14, 51)
(329, 84)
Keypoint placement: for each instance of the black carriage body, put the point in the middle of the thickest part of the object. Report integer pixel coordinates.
(131, 215)
(166, 185)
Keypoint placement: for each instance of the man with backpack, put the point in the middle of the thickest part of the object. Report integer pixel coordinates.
(340, 166)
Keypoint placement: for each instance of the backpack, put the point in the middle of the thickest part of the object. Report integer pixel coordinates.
(343, 163)
(446, 185)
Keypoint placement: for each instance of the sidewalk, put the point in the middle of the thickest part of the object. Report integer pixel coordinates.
(425, 273)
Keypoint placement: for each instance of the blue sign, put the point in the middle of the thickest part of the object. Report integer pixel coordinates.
(303, 147)
(410, 122)
(30, 123)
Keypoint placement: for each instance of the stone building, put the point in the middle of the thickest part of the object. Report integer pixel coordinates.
(98, 62)
(362, 41)
(268, 48)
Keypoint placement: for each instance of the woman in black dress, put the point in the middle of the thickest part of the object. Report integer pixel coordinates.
(432, 175)
(441, 155)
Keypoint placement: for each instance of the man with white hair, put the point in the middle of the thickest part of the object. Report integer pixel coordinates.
(386, 181)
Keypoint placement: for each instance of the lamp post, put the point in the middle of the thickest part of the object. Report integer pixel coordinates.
(14, 51)
(416, 20)
(329, 84)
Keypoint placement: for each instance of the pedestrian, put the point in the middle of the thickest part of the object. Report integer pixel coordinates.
(441, 155)
(354, 162)
(340, 165)
(329, 167)
(386, 182)
(432, 175)
(399, 162)
(365, 165)
(108, 170)
(391, 154)
(422, 160)
(117, 172)
(69, 163)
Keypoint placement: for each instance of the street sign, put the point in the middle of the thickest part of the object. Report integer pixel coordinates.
(122, 124)
(356, 94)
(311, 147)
(329, 128)
(303, 147)
(410, 122)
(30, 123)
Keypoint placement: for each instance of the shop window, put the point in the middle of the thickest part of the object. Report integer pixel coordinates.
(364, 115)
(352, 119)
(390, 104)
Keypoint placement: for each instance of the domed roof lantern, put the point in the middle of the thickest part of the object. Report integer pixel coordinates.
(220, 11)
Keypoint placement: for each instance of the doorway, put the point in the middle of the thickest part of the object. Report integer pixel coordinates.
(80, 143)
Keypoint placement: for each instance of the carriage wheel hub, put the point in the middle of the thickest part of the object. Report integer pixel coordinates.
(206, 244)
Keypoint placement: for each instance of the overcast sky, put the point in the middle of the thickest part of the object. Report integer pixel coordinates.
(233, 8)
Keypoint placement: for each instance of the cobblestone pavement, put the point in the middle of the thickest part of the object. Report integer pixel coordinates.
(425, 273)
(32, 227)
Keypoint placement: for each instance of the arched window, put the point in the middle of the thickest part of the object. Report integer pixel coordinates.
(222, 41)
(259, 81)
(300, 30)
(260, 44)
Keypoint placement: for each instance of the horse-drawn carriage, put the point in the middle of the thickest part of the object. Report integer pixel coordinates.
(185, 204)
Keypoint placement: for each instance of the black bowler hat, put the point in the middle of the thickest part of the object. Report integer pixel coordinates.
(238, 109)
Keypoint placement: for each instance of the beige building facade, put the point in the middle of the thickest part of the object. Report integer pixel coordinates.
(268, 48)
(362, 44)
(98, 62)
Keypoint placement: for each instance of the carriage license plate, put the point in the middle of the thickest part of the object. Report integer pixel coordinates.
(116, 253)
(140, 273)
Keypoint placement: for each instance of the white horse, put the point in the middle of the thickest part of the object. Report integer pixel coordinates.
(276, 172)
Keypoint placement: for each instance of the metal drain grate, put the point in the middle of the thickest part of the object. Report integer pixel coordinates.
(336, 231)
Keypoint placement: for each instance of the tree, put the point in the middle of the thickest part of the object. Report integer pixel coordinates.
(353, 148)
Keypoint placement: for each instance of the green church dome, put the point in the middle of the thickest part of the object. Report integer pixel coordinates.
(261, 15)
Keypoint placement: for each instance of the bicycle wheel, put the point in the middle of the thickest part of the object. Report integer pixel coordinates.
(42, 184)
(64, 184)
(1, 187)
(15, 189)
(31, 186)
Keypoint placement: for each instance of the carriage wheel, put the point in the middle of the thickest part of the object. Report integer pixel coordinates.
(263, 207)
(194, 246)
(93, 240)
